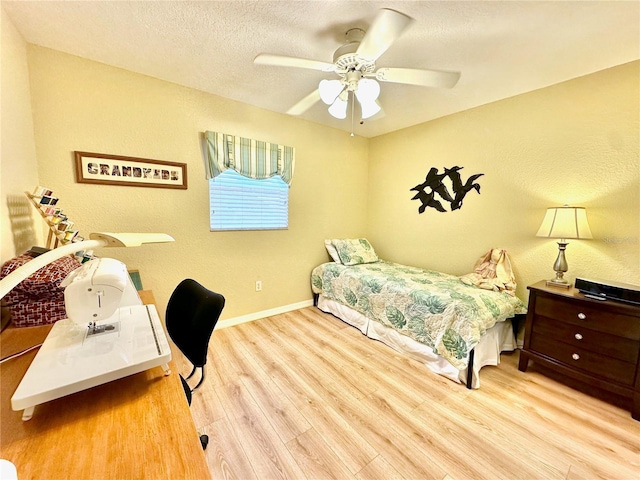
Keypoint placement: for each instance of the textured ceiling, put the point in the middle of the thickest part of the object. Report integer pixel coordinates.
(502, 49)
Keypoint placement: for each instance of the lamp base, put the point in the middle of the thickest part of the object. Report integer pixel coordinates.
(557, 283)
(560, 267)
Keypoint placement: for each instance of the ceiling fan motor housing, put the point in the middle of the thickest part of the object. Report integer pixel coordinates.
(345, 58)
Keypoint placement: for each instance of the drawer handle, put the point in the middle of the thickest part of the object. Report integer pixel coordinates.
(578, 336)
(582, 316)
(575, 356)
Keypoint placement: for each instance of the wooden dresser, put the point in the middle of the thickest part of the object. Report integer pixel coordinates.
(594, 342)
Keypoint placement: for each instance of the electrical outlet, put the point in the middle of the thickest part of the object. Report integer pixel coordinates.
(258, 285)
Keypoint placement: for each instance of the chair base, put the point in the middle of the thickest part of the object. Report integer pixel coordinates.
(204, 441)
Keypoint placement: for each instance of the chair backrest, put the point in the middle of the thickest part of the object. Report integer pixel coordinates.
(192, 314)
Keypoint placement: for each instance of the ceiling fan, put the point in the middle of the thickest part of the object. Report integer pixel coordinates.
(355, 64)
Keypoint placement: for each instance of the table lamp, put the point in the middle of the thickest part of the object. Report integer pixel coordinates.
(563, 223)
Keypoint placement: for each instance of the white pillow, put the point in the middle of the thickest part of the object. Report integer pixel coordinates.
(332, 251)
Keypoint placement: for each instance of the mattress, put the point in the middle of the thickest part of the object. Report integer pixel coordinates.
(433, 308)
(499, 338)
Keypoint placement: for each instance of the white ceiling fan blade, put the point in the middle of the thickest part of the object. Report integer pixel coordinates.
(424, 78)
(386, 27)
(285, 61)
(305, 104)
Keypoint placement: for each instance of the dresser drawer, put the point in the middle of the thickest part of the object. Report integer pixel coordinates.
(582, 314)
(585, 360)
(610, 345)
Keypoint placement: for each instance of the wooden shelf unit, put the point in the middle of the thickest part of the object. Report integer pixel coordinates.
(56, 236)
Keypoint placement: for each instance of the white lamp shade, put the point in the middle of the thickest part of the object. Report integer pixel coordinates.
(369, 109)
(339, 109)
(329, 90)
(565, 222)
(368, 90)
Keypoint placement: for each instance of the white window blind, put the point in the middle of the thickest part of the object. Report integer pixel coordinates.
(241, 203)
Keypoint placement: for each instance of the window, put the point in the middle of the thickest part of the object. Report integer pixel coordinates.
(242, 203)
(248, 182)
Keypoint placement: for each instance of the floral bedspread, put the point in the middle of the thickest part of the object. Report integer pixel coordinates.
(433, 308)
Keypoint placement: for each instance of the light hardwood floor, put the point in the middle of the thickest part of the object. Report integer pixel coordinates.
(303, 395)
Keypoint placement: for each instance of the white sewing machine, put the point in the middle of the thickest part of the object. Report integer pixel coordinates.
(79, 352)
(97, 290)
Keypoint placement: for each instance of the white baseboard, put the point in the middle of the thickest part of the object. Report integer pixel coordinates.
(230, 322)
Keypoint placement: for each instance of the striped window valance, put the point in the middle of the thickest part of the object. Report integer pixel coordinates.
(250, 158)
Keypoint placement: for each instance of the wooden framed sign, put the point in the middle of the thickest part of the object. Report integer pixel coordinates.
(104, 169)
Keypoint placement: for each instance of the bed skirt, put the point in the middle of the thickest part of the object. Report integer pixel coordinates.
(497, 339)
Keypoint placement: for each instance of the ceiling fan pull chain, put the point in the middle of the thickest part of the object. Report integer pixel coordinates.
(352, 109)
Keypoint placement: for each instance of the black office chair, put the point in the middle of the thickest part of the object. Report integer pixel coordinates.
(192, 314)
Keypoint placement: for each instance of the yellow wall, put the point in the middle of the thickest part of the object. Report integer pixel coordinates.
(18, 167)
(574, 143)
(87, 106)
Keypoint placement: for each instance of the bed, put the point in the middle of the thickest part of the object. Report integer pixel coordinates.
(453, 328)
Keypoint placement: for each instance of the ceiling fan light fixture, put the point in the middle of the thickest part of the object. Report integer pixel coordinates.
(329, 90)
(339, 109)
(369, 108)
(355, 63)
(368, 90)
